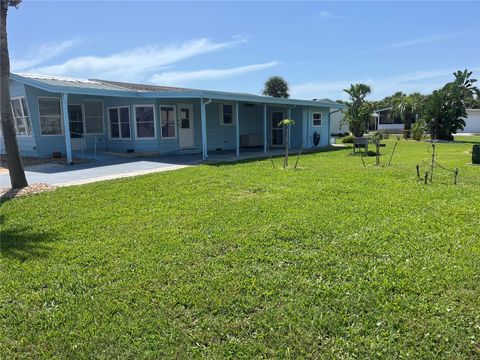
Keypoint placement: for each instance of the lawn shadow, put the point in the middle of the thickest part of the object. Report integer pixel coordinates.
(24, 243)
(10, 194)
(465, 142)
(292, 155)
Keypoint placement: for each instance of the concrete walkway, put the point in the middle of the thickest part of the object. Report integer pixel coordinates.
(110, 167)
(63, 175)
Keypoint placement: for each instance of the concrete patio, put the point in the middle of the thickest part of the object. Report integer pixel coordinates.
(108, 167)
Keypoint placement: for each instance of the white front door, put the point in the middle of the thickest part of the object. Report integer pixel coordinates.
(75, 120)
(185, 126)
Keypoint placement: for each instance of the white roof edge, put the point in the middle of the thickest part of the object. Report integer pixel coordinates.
(59, 78)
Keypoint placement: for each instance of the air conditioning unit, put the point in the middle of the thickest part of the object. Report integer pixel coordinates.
(251, 140)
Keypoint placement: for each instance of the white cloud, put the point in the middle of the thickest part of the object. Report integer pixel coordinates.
(324, 14)
(421, 81)
(412, 42)
(42, 53)
(178, 77)
(134, 63)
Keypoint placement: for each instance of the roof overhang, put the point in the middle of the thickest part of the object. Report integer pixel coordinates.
(71, 89)
(195, 94)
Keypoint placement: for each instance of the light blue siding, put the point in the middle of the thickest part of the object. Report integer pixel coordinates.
(309, 129)
(297, 129)
(47, 144)
(123, 145)
(16, 89)
(172, 145)
(219, 136)
(26, 145)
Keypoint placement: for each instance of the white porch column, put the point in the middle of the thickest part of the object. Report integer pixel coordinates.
(203, 115)
(66, 128)
(237, 130)
(265, 128)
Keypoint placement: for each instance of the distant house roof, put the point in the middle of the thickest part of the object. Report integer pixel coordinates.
(58, 84)
(382, 110)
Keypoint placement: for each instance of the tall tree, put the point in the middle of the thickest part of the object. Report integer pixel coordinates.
(15, 168)
(358, 110)
(445, 110)
(276, 86)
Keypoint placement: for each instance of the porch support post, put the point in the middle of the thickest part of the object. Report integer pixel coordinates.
(237, 130)
(265, 128)
(203, 116)
(66, 129)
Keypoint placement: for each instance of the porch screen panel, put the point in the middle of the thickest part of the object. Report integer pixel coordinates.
(119, 120)
(168, 120)
(124, 122)
(114, 123)
(145, 121)
(93, 117)
(50, 116)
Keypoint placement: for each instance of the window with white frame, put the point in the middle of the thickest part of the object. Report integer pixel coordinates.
(21, 116)
(168, 119)
(145, 122)
(317, 119)
(226, 114)
(119, 120)
(93, 117)
(50, 116)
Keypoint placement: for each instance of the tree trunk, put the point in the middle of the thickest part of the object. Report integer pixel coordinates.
(285, 162)
(15, 168)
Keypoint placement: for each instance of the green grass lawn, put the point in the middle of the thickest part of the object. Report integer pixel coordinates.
(332, 260)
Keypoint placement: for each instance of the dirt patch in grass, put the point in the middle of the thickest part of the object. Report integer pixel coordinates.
(8, 193)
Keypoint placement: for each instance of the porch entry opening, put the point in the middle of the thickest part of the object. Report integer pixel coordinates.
(185, 128)
(278, 137)
(75, 117)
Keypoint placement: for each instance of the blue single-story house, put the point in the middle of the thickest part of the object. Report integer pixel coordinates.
(63, 115)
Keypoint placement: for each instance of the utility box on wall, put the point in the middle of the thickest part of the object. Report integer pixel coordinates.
(476, 154)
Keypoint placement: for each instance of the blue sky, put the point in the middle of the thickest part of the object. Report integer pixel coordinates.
(319, 47)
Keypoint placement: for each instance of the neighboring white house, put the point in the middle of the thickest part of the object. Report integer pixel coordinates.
(472, 121)
(384, 121)
(336, 126)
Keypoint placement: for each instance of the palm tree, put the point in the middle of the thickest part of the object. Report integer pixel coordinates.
(357, 111)
(15, 168)
(406, 107)
(445, 109)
